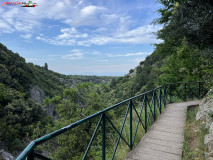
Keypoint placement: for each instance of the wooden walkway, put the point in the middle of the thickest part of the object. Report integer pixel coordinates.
(164, 140)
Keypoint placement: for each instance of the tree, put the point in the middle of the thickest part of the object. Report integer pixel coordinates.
(183, 66)
(192, 19)
(45, 66)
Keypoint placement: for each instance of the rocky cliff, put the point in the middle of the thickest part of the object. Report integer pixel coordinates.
(37, 94)
(205, 113)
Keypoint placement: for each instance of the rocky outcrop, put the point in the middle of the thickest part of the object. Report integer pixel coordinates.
(51, 110)
(37, 94)
(208, 143)
(205, 113)
(5, 155)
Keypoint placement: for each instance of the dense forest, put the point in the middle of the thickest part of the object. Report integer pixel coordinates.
(184, 55)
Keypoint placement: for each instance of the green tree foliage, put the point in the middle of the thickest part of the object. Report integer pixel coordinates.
(186, 65)
(19, 75)
(16, 115)
(186, 18)
(72, 105)
(45, 66)
(188, 22)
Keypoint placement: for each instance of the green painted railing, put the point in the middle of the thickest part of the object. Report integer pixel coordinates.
(153, 101)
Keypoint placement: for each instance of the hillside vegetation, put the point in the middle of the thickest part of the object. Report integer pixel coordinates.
(18, 112)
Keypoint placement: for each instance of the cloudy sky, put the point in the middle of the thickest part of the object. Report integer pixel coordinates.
(90, 37)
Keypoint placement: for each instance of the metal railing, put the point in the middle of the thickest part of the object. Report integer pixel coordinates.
(153, 102)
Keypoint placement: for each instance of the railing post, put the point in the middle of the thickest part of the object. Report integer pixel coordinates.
(130, 112)
(146, 113)
(170, 93)
(31, 155)
(103, 136)
(184, 91)
(154, 107)
(160, 100)
(165, 96)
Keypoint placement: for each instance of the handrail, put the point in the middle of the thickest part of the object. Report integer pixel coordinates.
(150, 109)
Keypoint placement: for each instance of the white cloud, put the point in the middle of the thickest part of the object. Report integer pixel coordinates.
(5, 27)
(76, 54)
(26, 36)
(105, 26)
(70, 12)
(71, 33)
(70, 36)
(73, 56)
(66, 42)
(88, 10)
(127, 54)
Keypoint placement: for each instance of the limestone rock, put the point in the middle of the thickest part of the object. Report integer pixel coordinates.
(37, 94)
(5, 155)
(211, 128)
(209, 155)
(205, 113)
(206, 110)
(208, 142)
(210, 158)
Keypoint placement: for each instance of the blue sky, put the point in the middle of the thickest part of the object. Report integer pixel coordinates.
(88, 37)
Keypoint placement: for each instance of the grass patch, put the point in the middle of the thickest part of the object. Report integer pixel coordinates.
(193, 146)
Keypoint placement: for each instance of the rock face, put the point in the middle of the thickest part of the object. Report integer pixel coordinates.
(5, 155)
(38, 95)
(205, 113)
(206, 109)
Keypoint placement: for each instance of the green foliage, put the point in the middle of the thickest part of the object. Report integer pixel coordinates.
(184, 66)
(45, 66)
(131, 70)
(71, 105)
(16, 115)
(166, 13)
(19, 75)
(181, 20)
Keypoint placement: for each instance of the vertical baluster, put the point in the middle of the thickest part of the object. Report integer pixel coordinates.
(130, 112)
(165, 97)
(146, 113)
(184, 91)
(170, 93)
(154, 106)
(103, 136)
(160, 101)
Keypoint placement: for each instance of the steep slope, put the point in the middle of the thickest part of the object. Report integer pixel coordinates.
(23, 86)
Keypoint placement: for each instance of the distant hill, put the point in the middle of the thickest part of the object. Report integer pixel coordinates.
(19, 75)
